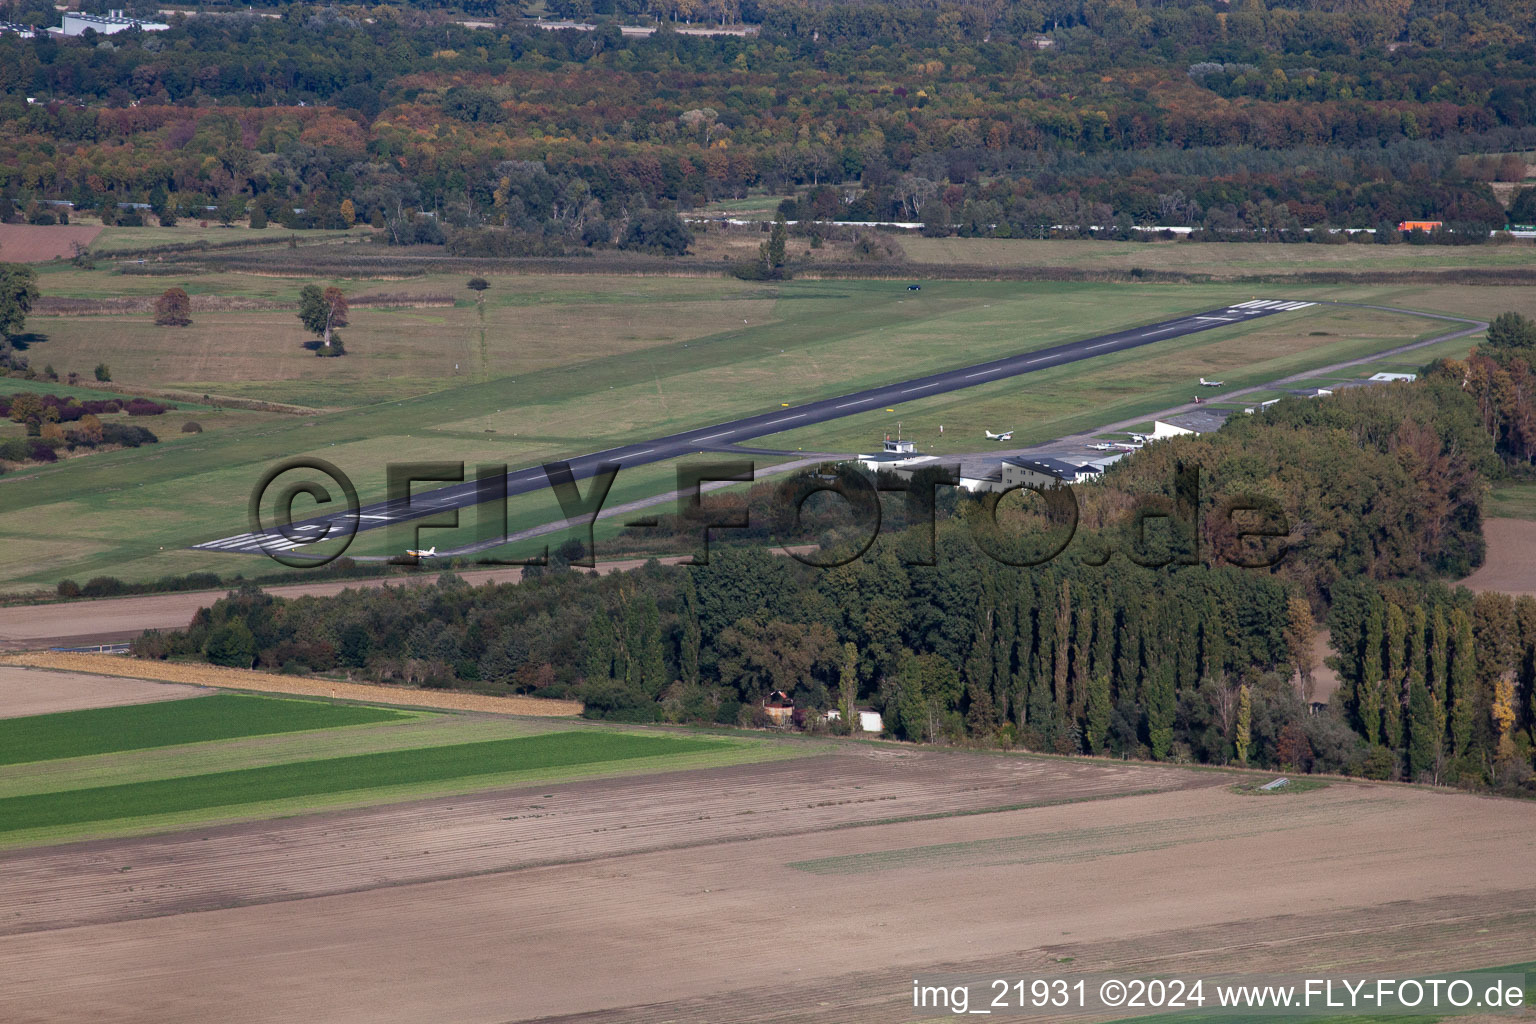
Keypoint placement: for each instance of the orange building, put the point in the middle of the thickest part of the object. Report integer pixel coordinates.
(1419, 225)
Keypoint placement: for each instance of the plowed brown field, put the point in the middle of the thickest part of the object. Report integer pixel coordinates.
(33, 243)
(806, 890)
(26, 691)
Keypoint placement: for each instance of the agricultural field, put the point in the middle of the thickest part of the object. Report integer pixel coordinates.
(230, 756)
(722, 888)
(551, 366)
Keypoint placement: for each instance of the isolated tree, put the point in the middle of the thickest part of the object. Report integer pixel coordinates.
(477, 284)
(173, 309)
(230, 209)
(1511, 330)
(348, 213)
(848, 686)
(103, 372)
(322, 312)
(18, 291)
(772, 253)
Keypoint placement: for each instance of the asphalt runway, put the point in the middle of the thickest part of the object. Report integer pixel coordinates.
(712, 438)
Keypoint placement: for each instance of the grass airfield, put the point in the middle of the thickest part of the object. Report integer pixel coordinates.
(554, 366)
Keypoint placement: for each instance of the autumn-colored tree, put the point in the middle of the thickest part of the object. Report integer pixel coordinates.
(1299, 631)
(173, 308)
(348, 213)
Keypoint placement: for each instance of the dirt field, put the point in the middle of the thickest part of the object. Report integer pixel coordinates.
(1511, 563)
(813, 889)
(266, 682)
(31, 243)
(25, 691)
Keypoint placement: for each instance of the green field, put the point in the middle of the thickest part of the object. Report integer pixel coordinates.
(335, 775)
(220, 716)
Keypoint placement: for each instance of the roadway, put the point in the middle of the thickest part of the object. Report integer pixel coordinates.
(689, 442)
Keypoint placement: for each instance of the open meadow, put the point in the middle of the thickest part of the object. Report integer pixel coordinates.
(685, 887)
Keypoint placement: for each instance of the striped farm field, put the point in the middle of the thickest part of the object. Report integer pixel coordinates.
(142, 726)
(334, 775)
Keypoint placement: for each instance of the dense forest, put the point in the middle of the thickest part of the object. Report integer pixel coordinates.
(1170, 641)
(1252, 118)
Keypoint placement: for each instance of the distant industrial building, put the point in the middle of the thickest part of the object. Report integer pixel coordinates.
(1045, 471)
(1200, 421)
(894, 455)
(111, 23)
(25, 31)
(1387, 378)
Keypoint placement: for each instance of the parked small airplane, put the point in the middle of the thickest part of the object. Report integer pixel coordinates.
(1102, 446)
(1142, 438)
(431, 552)
(1006, 435)
(1131, 446)
(1212, 383)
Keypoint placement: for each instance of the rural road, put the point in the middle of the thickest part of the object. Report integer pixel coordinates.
(671, 446)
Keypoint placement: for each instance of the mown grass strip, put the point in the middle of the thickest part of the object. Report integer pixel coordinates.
(222, 716)
(334, 775)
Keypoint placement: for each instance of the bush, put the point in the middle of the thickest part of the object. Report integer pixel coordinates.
(68, 588)
(191, 427)
(477, 284)
(103, 372)
(500, 243)
(616, 702)
(661, 232)
(126, 435)
(102, 586)
(144, 407)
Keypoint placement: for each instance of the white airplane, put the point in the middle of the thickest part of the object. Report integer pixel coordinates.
(1212, 383)
(1141, 438)
(1102, 446)
(1006, 435)
(431, 552)
(1131, 446)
